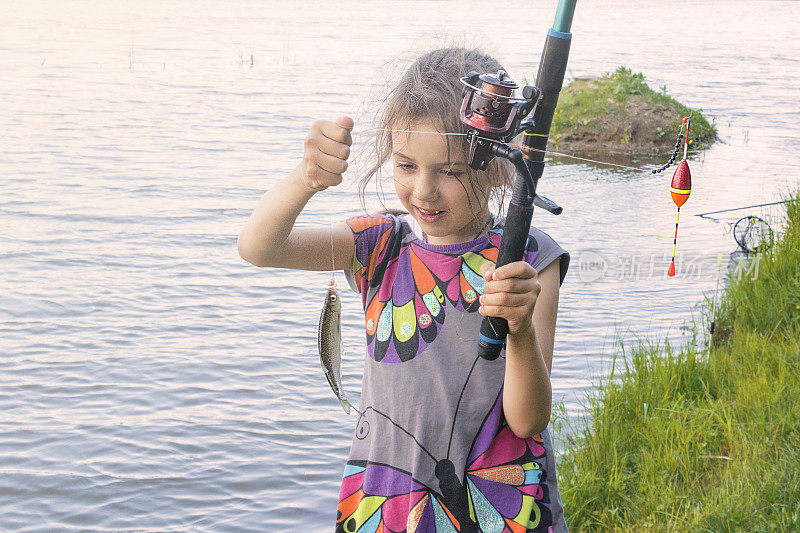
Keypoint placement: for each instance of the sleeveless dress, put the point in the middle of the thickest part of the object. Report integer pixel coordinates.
(431, 451)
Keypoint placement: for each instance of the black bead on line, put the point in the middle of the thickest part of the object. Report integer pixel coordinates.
(674, 154)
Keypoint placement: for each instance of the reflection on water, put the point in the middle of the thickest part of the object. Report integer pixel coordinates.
(151, 380)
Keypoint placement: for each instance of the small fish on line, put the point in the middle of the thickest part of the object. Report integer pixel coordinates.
(329, 337)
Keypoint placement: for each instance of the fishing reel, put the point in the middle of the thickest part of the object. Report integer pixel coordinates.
(492, 113)
(494, 116)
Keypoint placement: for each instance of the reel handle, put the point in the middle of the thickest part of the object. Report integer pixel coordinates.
(547, 204)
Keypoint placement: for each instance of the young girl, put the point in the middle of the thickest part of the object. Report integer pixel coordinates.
(446, 441)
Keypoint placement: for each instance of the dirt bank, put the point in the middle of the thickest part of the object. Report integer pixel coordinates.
(618, 112)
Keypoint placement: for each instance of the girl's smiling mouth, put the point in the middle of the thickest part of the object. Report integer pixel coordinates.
(429, 215)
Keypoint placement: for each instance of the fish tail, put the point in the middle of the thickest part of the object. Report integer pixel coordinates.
(346, 405)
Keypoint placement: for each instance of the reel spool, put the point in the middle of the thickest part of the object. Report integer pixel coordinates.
(491, 112)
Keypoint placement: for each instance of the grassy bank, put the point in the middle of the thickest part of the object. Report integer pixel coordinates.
(701, 439)
(620, 112)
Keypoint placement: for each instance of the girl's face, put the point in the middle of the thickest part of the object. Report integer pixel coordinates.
(434, 186)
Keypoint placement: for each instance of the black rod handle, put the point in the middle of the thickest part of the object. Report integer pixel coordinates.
(549, 79)
(493, 330)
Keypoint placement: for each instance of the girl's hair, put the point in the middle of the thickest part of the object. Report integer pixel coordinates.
(431, 91)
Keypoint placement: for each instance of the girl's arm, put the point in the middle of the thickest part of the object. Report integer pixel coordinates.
(529, 301)
(546, 311)
(269, 237)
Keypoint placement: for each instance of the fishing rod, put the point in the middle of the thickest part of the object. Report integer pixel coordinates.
(705, 215)
(493, 117)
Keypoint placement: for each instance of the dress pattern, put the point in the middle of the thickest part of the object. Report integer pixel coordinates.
(484, 480)
(505, 491)
(403, 317)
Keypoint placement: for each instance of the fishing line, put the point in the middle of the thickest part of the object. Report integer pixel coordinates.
(332, 283)
(675, 152)
(552, 152)
(416, 131)
(330, 225)
(360, 413)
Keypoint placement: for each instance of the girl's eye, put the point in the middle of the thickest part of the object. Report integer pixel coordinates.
(410, 167)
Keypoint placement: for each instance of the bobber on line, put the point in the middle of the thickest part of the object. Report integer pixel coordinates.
(680, 189)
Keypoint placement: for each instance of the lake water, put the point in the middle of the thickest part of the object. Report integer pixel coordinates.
(151, 380)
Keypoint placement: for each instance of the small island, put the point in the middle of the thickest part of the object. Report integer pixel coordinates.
(618, 112)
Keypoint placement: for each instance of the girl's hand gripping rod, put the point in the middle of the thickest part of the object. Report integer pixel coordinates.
(494, 117)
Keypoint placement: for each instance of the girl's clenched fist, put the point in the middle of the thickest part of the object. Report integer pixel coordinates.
(327, 148)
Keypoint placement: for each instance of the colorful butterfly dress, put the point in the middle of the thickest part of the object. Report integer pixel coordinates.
(431, 450)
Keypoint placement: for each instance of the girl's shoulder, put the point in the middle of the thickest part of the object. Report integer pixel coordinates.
(379, 238)
(361, 223)
(543, 250)
(370, 229)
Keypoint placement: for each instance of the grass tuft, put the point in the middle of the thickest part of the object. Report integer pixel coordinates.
(691, 439)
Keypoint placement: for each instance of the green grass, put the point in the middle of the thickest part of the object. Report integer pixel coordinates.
(695, 439)
(619, 107)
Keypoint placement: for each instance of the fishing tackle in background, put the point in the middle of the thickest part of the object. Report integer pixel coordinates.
(329, 337)
(681, 186)
(753, 234)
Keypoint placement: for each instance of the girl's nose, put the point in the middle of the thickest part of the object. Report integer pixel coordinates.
(426, 186)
